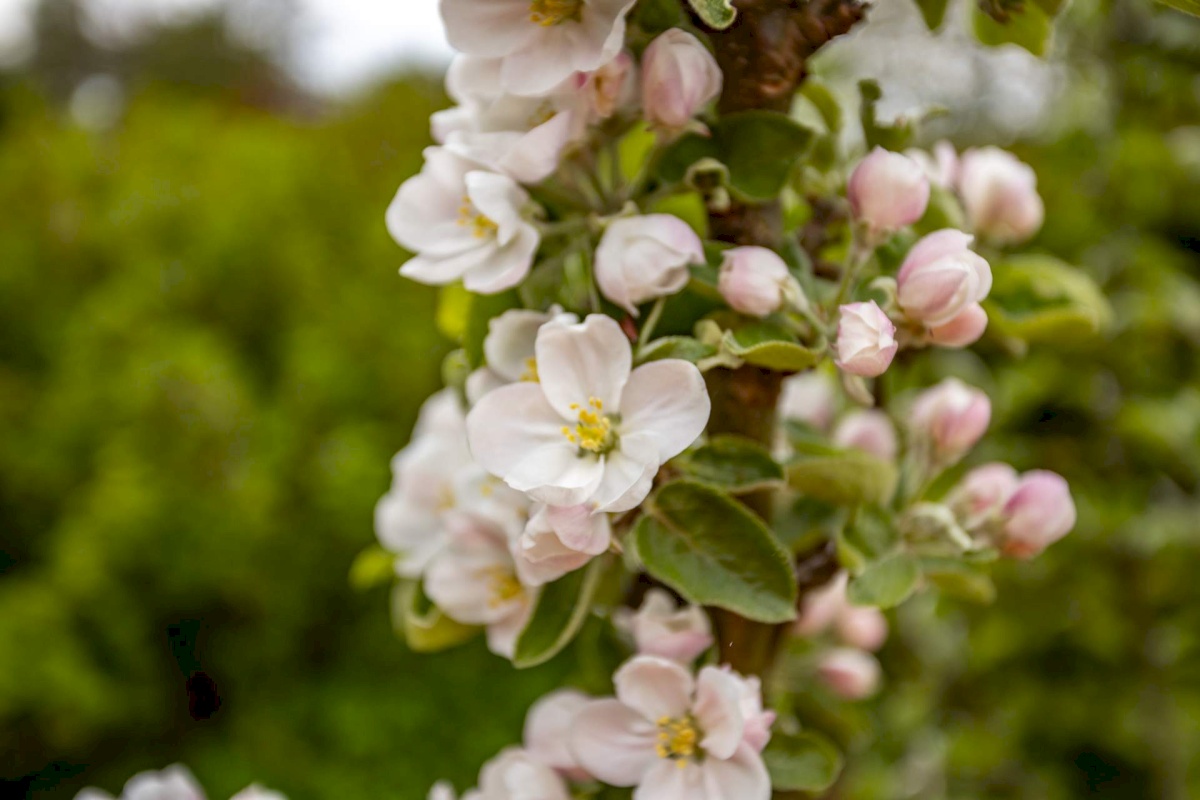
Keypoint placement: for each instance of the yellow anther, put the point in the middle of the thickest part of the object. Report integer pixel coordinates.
(594, 430)
(555, 12)
(503, 586)
(469, 216)
(678, 738)
(530, 374)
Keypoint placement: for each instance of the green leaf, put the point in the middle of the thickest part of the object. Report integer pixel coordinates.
(959, 579)
(426, 629)
(714, 551)
(481, 309)
(1029, 27)
(733, 463)
(1186, 6)
(558, 613)
(760, 148)
(678, 158)
(1037, 298)
(717, 14)
(683, 347)
(885, 583)
(933, 11)
(766, 345)
(803, 762)
(894, 136)
(842, 477)
(372, 567)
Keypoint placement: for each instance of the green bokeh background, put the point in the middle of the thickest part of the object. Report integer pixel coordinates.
(207, 360)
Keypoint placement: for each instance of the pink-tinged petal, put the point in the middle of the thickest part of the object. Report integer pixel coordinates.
(557, 475)
(548, 727)
(937, 245)
(718, 712)
(654, 687)
(541, 66)
(502, 634)
(510, 424)
(590, 359)
(743, 777)
(629, 474)
(613, 742)
(674, 780)
(668, 402)
(507, 265)
(536, 155)
(580, 529)
(488, 27)
(965, 329)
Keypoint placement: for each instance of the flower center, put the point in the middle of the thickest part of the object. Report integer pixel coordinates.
(469, 217)
(594, 430)
(503, 587)
(530, 374)
(678, 739)
(555, 12)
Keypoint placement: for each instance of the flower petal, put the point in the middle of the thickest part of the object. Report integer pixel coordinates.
(487, 27)
(743, 777)
(939, 244)
(509, 424)
(590, 359)
(667, 401)
(675, 780)
(613, 742)
(507, 266)
(654, 687)
(557, 475)
(718, 711)
(629, 474)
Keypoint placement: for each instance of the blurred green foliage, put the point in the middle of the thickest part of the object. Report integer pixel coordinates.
(206, 360)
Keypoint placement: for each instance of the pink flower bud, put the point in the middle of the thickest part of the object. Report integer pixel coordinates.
(809, 397)
(868, 430)
(1038, 514)
(755, 280)
(866, 342)
(851, 673)
(963, 330)
(679, 76)
(888, 191)
(999, 193)
(862, 627)
(982, 492)
(940, 278)
(641, 258)
(951, 417)
(940, 166)
(662, 628)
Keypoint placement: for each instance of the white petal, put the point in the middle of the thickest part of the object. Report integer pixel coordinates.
(437, 270)
(629, 474)
(509, 424)
(557, 475)
(582, 361)
(502, 634)
(743, 777)
(507, 266)
(666, 400)
(548, 727)
(579, 529)
(718, 712)
(487, 27)
(508, 345)
(668, 780)
(613, 742)
(654, 687)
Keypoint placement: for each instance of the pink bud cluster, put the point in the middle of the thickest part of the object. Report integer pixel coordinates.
(1024, 514)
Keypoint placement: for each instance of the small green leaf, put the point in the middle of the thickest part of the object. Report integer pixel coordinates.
(803, 762)
(714, 551)
(885, 583)
(1037, 298)
(372, 567)
(558, 613)
(842, 477)
(765, 345)
(1029, 27)
(959, 579)
(733, 463)
(760, 148)
(481, 309)
(717, 14)
(426, 629)
(683, 347)
(1186, 6)
(933, 11)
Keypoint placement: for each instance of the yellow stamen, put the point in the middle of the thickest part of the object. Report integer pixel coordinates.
(555, 12)
(469, 216)
(594, 430)
(503, 586)
(678, 739)
(530, 374)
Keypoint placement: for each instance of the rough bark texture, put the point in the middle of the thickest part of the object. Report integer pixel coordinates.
(763, 56)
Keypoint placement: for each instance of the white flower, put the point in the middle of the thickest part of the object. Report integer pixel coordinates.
(173, 783)
(757, 720)
(442, 790)
(509, 349)
(537, 43)
(474, 581)
(516, 775)
(547, 729)
(558, 540)
(671, 736)
(256, 792)
(591, 431)
(641, 258)
(662, 628)
(464, 223)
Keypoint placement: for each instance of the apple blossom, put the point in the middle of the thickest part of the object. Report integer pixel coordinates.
(1039, 512)
(442, 790)
(547, 732)
(940, 277)
(679, 77)
(861, 627)
(558, 540)
(538, 44)
(173, 783)
(256, 792)
(641, 258)
(851, 673)
(963, 330)
(888, 191)
(591, 431)
(756, 720)
(756, 281)
(508, 349)
(609, 88)
(474, 581)
(982, 493)
(869, 430)
(809, 397)
(516, 775)
(940, 166)
(464, 223)
(671, 735)
(951, 417)
(866, 342)
(660, 627)
(1000, 196)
